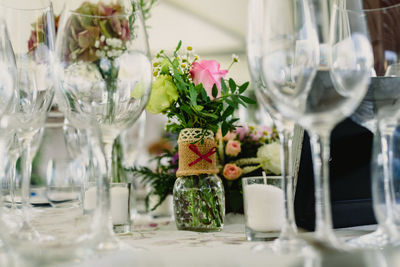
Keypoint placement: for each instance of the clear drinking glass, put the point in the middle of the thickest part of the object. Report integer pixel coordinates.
(263, 207)
(32, 25)
(386, 187)
(64, 179)
(382, 93)
(287, 240)
(57, 180)
(290, 56)
(108, 81)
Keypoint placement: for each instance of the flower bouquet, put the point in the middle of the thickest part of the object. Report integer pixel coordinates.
(198, 101)
(246, 151)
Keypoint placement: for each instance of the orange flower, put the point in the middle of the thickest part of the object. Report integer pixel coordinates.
(232, 171)
(233, 148)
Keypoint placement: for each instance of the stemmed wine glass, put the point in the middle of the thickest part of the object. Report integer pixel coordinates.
(383, 93)
(290, 55)
(104, 72)
(287, 240)
(32, 25)
(8, 80)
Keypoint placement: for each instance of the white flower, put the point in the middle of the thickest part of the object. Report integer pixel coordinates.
(102, 38)
(97, 44)
(270, 155)
(100, 54)
(114, 42)
(235, 58)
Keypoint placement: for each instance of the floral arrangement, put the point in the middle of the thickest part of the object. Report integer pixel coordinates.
(194, 94)
(100, 36)
(246, 151)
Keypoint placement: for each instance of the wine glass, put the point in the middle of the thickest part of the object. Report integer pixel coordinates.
(340, 62)
(8, 78)
(383, 93)
(287, 240)
(104, 75)
(32, 25)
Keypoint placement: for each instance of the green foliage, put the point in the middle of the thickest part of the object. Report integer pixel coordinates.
(194, 108)
(201, 204)
(162, 180)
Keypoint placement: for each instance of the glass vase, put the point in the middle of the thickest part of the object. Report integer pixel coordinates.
(199, 198)
(199, 203)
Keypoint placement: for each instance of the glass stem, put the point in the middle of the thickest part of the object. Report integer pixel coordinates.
(387, 156)
(12, 179)
(103, 195)
(26, 171)
(320, 146)
(289, 228)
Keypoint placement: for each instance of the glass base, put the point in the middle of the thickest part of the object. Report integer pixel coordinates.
(110, 243)
(26, 233)
(252, 235)
(283, 246)
(375, 240)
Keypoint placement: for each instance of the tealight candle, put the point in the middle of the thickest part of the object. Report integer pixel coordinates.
(264, 207)
(90, 199)
(120, 205)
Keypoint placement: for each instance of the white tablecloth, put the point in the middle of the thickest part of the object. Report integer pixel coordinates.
(157, 242)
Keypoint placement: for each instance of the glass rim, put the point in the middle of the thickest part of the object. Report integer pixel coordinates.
(104, 17)
(381, 8)
(368, 10)
(276, 177)
(49, 7)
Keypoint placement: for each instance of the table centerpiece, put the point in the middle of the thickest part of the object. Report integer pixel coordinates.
(198, 101)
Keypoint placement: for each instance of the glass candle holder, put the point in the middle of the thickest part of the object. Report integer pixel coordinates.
(263, 207)
(121, 204)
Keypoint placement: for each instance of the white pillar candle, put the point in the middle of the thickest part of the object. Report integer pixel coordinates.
(90, 199)
(119, 205)
(264, 207)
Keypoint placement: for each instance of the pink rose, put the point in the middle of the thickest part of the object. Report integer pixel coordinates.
(207, 72)
(232, 171)
(242, 131)
(233, 148)
(230, 136)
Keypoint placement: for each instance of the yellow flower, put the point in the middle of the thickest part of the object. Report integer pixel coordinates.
(163, 94)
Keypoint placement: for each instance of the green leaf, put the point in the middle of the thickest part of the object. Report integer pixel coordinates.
(248, 100)
(224, 128)
(104, 30)
(243, 87)
(224, 88)
(210, 115)
(198, 108)
(179, 45)
(186, 109)
(238, 100)
(193, 95)
(232, 103)
(203, 93)
(229, 111)
(232, 85)
(214, 91)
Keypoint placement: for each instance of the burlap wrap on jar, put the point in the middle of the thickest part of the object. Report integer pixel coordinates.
(195, 157)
